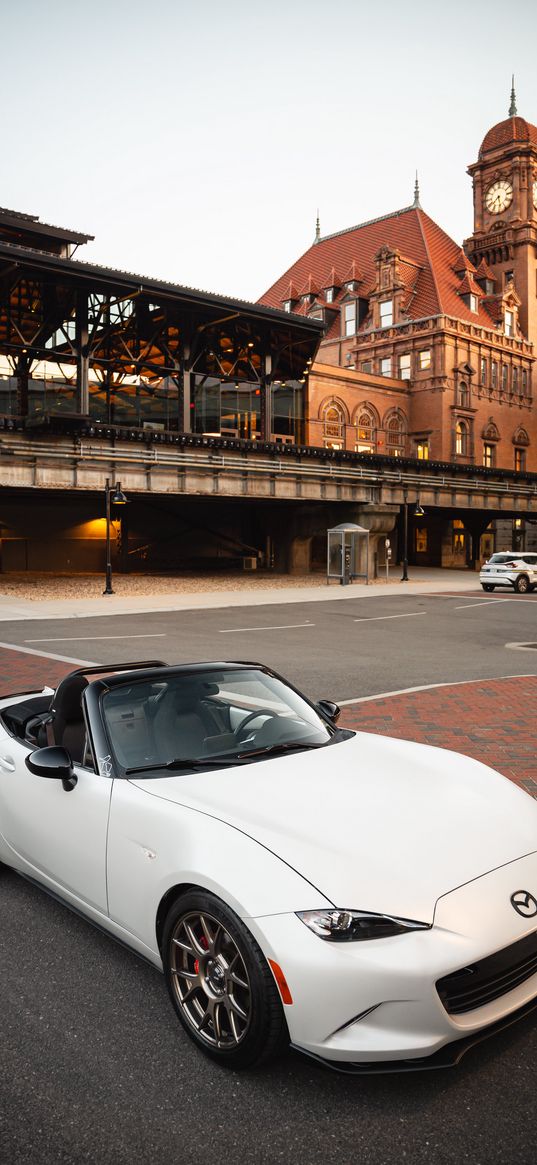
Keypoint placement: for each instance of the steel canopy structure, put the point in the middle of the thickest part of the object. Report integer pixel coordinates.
(79, 343)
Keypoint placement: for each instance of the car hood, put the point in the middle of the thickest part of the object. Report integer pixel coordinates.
(373, 823)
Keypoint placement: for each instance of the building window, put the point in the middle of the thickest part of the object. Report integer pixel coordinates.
(287, 305)
(493, 374)
(330, 295)
(524, 381)
(464, 395)
(420, 535)
(350, 319)
(367, 366)
(404, 366)
(425, 359)
(333, 425)
(351, 286)
(365, 433)
(504, 377)
(520, 460)
(395, 435)
(488, 455)
(461, 439)
(515, 379)
(483, 372)
(509, 323)
(473, 303)
(386, 366)
(422, 450)
(386, 313)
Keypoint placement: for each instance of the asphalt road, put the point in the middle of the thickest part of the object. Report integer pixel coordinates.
(93, 1065)
(339, 650)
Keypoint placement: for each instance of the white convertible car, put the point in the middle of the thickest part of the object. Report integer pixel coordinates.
(370, 901)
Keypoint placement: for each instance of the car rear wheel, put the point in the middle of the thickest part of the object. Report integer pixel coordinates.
(522, 584)
(487, 587)
(220, 983)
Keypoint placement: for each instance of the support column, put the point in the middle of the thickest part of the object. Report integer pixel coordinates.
(82, 354)
(475, 527)
(23, 375)
(185, 393)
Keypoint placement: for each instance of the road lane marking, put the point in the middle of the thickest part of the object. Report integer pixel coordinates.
(279, 627)
(91, 638)
(482, 603)
(378, 618)
(47, 655)
(428, 687)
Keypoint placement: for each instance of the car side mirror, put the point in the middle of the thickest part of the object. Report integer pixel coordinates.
(329, 709)
(53, 762)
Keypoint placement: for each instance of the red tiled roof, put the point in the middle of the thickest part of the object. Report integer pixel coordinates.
(332, 280)
(464, 263)
(353, 274)
(290, 292)
(311, 287)
(469, 286)
(432, 290)
(513, 129)
(484, 272)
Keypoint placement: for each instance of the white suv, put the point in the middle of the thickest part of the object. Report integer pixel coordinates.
(511, 568)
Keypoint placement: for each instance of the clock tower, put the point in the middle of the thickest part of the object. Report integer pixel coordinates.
(505, 213)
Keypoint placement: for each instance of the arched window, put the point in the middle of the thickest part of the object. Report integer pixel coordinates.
(520, 441)
(461, 439)
(333, 419)
(366, 430)
(395, 429)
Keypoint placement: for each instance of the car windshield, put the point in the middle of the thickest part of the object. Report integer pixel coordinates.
(204, 719)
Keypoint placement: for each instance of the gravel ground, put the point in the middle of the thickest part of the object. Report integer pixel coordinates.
(89, 586)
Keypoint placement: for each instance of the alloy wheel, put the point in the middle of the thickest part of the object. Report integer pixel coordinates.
(210, 980)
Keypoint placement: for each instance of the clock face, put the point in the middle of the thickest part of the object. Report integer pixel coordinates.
(499, 196)
(535, 193)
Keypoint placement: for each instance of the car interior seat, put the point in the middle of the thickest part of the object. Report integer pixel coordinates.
(183, 721)
(66, 726)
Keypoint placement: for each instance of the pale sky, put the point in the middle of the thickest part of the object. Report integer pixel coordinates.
(196, 140)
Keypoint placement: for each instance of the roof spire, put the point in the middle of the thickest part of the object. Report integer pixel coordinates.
(317, 228)
(512, 107)
(416, 192)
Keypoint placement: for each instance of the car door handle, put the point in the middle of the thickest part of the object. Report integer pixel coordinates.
(7, 764)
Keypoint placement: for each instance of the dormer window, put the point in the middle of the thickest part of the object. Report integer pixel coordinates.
(330, 295)
(386, 313)
(350, 318)
(509, 323)
(473, 303)
(287, 305)
(351, 285)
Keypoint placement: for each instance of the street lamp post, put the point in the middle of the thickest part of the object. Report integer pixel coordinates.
(404, 576)
(118, 499)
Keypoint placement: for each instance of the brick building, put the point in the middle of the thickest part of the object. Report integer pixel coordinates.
(429, 347)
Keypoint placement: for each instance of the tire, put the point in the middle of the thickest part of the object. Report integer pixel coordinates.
(487, 586)
(522, 584)
(220, 983)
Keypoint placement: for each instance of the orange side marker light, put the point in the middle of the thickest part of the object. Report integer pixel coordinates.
(283, 986)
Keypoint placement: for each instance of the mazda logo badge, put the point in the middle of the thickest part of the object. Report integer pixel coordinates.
(524, 903)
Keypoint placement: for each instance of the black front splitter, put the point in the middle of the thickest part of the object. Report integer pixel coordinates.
(447, 1057)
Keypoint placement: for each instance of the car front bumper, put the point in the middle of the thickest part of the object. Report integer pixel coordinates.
(375, 1002)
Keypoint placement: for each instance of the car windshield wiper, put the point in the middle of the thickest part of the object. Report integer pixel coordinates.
(222, 761)
(274, 749)
(183, 763)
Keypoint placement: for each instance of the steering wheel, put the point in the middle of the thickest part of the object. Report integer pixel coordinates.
(253, 716)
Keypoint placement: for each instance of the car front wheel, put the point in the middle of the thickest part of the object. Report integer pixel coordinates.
(487, 587)
(220, 983)
(522, 584)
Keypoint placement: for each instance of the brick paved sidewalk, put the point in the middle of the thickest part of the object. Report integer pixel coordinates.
(492, 720)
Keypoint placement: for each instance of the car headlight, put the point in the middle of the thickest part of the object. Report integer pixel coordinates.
(356, 925)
